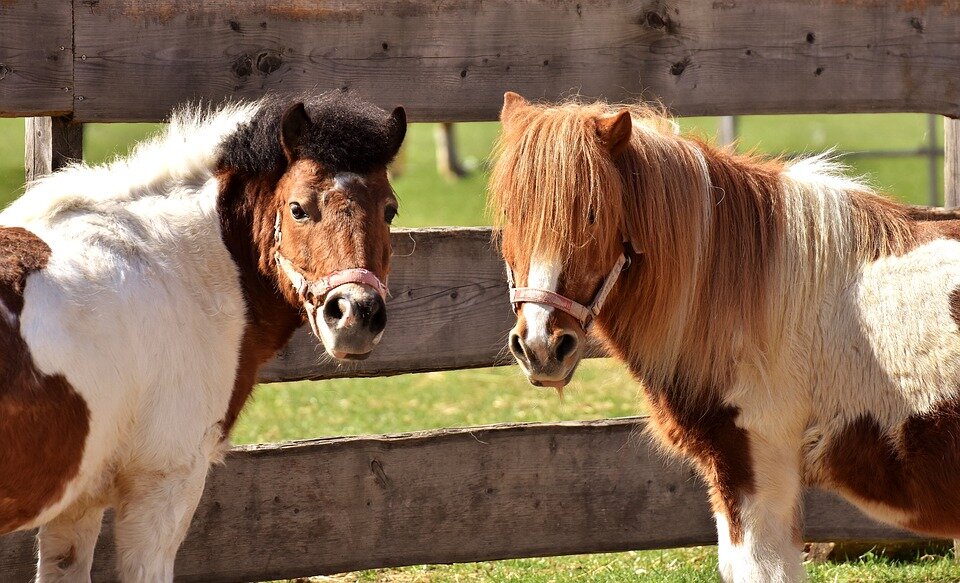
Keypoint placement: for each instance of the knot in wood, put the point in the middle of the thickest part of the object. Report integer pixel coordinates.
(680, 66)
(268, 62)
(242, 66)
(379, 476)
(654, 20)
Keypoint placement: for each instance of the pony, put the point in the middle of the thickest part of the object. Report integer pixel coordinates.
(789, 326)
(138, 299)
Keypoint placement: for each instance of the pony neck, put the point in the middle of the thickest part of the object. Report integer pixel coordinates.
(247, 216)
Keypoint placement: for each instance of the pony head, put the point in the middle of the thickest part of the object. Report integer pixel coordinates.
(555, 193)
(331, 210)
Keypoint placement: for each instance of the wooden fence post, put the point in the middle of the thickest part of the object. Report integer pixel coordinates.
(951, 195)
(50, 144)
(951, 162)
(728, 131)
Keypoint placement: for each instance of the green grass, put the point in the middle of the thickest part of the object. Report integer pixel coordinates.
(692, 565)
(427, 199)
(601, 388)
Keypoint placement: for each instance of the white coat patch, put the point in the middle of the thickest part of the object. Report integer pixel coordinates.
(543, 275)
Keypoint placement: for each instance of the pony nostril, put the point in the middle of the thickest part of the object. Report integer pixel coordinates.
(334, 309)
(516, 347)
(378, 316)
(565, 347)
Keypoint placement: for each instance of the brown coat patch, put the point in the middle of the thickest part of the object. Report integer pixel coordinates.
(955, 306)
(21, 252)
(885, 227)
(43, 421)
(270, 318)
(708, 434)
(917, 471)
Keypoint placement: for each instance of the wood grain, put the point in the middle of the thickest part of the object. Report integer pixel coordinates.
(36, 57)
(452, 61)
(50, 144)
(951, 163)
(333, 505)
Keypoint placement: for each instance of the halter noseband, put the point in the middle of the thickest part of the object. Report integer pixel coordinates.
(310, 291)
(583, 314)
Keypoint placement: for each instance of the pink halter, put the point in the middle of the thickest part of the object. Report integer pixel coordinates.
(584, 314)
(311, 291)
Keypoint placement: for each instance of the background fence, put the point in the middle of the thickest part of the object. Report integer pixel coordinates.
(931, 150)
(494, 492)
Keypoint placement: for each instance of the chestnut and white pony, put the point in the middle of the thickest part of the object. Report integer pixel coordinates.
(789, 326)
(138, 300)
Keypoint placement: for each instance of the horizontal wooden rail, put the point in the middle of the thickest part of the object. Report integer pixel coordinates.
(333, 505)
(36, 58)
(134, 60)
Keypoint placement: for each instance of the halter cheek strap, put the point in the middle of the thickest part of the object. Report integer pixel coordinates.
(583, 314)
(309, 291)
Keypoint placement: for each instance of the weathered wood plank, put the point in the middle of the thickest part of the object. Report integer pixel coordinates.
(448, 309)
(951, 163)
(342, 504)
(451, 61)
(50, 144)
(36, 57)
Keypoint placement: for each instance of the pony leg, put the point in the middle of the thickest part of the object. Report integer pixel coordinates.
(762, 542)
(152, 520)
(67, 543)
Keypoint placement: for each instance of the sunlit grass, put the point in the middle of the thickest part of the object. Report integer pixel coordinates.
(601, 389)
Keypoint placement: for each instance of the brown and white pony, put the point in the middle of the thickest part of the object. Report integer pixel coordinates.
(789, 327)
(138, 300)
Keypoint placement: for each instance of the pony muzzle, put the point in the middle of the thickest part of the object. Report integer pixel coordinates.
(349, 321)
(548, 360)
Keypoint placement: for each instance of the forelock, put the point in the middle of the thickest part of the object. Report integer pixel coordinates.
(550, 176)
(347, 135)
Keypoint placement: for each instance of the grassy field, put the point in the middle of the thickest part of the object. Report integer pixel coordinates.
(601, 389)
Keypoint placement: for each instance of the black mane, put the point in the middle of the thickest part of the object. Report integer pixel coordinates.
(347, 135)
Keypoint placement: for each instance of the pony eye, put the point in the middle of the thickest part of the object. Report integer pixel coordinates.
(389, 213)
(297, 211)
(591, 216)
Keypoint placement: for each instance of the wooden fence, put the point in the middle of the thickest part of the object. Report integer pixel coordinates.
(338, 504)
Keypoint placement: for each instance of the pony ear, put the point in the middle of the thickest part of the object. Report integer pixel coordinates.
(512, 102)
(398, 129)
(293, 125)
(615, 130)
